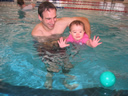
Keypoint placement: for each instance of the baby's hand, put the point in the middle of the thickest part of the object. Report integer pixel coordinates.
(95, 42)
(62, 43)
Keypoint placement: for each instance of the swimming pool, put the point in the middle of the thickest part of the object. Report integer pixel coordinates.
(23, 72)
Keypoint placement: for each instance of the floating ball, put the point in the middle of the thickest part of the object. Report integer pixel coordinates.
(107, 79)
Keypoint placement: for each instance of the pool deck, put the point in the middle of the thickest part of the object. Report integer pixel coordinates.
(93, 5)
(97, 5)
(10, 90)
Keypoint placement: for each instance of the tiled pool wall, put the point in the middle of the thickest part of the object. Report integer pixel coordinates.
(99, 5)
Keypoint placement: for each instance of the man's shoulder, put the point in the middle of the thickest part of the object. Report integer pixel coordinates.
(37, 30)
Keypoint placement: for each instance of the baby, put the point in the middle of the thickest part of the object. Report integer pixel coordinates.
(78, 35)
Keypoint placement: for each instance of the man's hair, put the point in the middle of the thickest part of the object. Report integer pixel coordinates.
(76, 22)
(45, 6)
(20, 2)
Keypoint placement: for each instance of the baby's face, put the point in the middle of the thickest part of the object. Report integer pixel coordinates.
(77, 32)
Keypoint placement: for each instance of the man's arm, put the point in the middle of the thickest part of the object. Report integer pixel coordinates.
(87, 26)
(60, 26)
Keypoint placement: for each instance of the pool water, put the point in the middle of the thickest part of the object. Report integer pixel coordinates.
(22, 68)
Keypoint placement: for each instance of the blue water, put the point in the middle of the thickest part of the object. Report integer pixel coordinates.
(21, 65)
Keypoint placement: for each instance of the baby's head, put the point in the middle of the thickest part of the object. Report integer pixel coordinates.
(77, 29)
(20, 2)
(77, 23)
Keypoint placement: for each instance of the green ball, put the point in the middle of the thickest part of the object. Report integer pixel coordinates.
(107, 79)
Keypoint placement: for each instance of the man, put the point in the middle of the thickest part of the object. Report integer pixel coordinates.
(50, 28)
(51, 25)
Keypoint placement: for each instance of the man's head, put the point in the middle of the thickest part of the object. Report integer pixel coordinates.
(45, 6)
(77, 29)
(47, 15)
(20, 2)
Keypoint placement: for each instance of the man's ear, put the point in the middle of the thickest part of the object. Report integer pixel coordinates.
(39, 18)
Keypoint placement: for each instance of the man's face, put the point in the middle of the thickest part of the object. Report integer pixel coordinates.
(49, 19)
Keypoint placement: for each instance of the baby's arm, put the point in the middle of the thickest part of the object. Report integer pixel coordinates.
(62, 43)
(94, 43)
